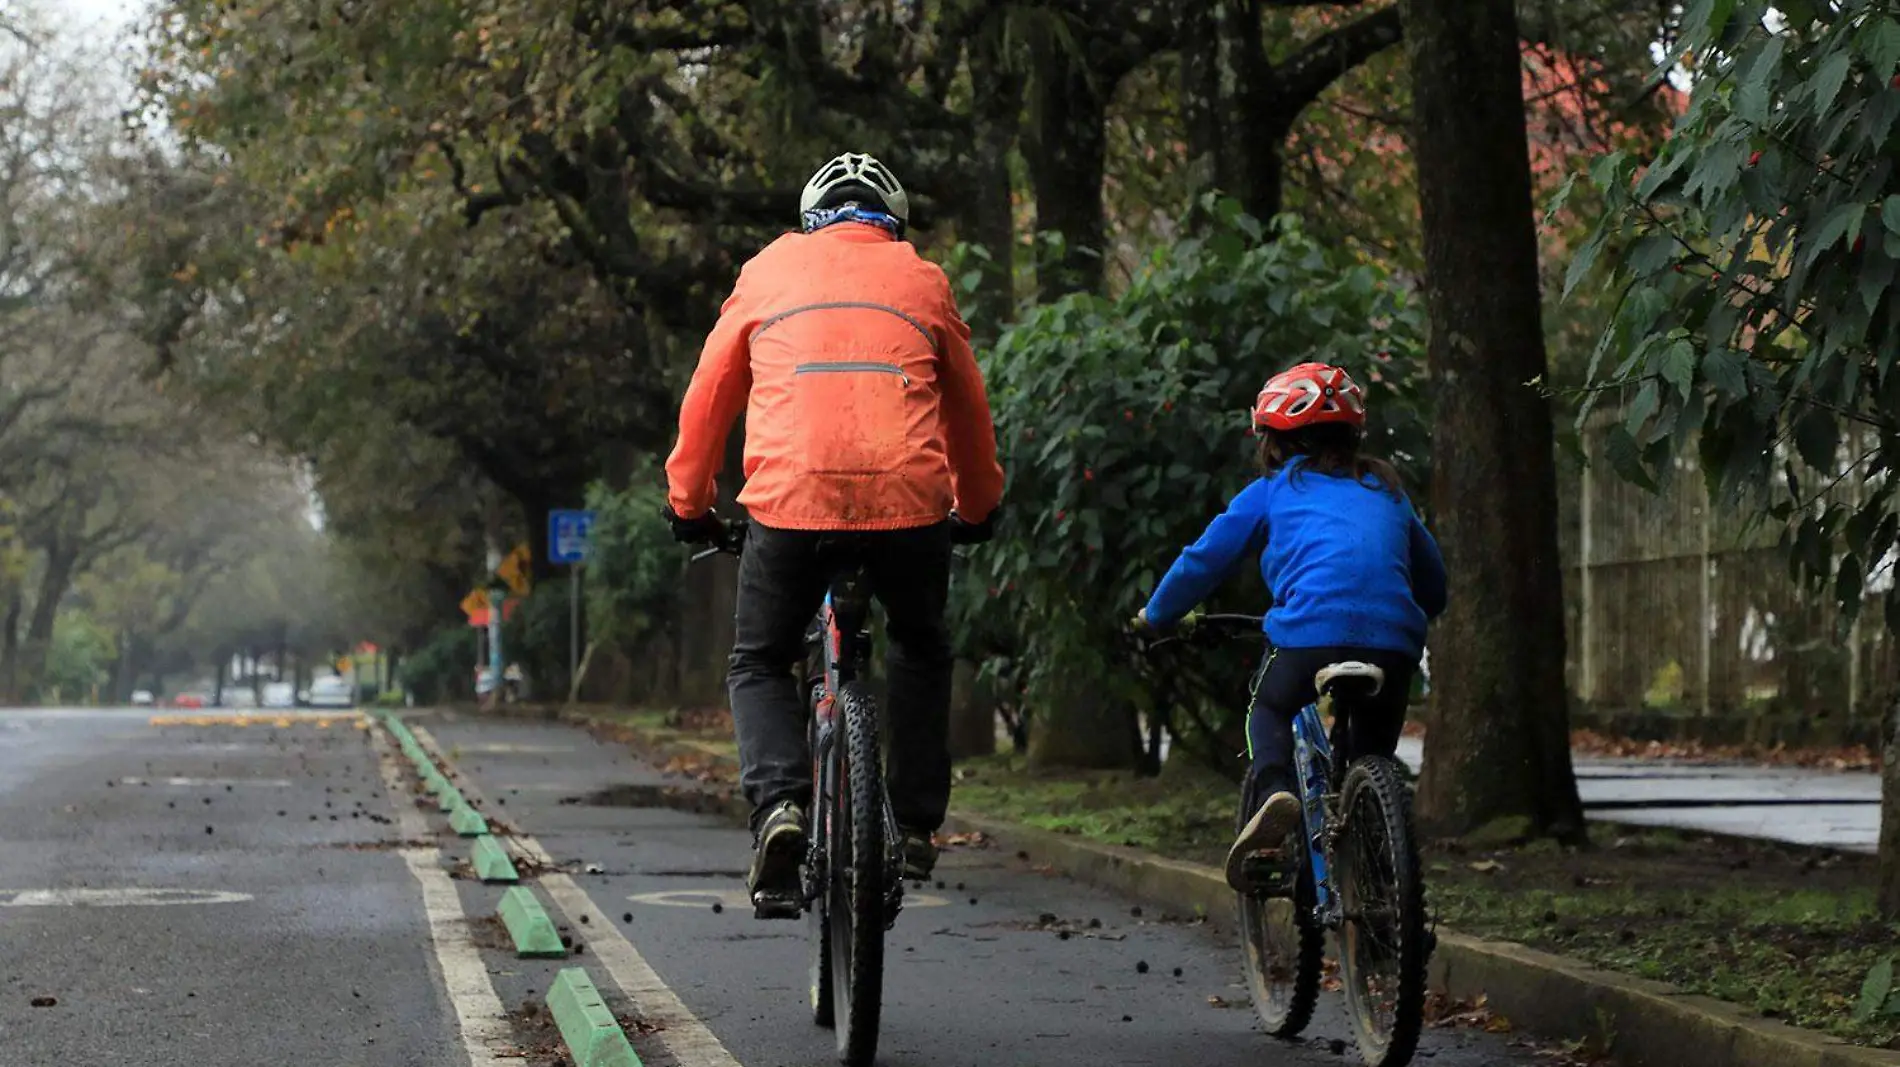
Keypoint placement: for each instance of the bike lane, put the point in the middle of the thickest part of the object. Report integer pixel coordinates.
(997, 962)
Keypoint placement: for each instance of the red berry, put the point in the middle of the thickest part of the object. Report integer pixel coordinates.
(1895, 83)
(1860, 243)
(1060, 515)
(1088, 475)
(1128, 415)
(1754, 157)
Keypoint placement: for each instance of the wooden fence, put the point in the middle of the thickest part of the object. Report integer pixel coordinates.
(1677, 607)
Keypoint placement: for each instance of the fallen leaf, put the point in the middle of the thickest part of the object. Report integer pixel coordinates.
(1486, 866)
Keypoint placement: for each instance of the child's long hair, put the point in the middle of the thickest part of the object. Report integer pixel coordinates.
(1329, 448)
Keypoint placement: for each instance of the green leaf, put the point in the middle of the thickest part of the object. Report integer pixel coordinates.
(1757, 82)
(1726, 371)
(1625, 458)
(1874, 990)
(1848, 583)
(1883, 48)
(1890, 214)
(1677, 366)
(1839, 222)
(1827, 82)
(1583, 261)
(1643, 408)
(1817, 437)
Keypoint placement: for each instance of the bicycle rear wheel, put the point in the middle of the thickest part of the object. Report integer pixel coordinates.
(858, 883)
(818, 918)
(1283, 948)
(1382, 943)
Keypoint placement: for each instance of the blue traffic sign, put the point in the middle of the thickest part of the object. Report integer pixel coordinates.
(570, 536)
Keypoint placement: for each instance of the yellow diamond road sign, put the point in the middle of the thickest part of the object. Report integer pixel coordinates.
(514, 569)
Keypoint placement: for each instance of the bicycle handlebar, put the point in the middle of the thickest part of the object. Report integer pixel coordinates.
(1207, 626)
(732, 544)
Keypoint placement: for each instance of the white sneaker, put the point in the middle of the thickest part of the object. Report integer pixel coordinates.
(1265, 832)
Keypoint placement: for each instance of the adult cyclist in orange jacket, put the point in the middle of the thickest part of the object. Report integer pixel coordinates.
(868, 439)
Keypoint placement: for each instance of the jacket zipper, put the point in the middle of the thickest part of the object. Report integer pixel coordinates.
(849, 367)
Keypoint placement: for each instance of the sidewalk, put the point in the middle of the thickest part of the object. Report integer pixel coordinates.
(1831, 809)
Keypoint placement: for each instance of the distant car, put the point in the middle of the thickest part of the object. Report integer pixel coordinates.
(331, 692)
(280, 695)
(188, 700)
(239, 696)
(143, 698)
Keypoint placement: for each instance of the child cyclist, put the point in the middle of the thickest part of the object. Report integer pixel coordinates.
(1353, 574)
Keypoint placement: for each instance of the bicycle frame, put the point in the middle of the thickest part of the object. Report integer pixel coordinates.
(1313, 763)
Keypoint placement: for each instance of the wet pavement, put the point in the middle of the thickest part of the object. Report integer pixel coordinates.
(1836, 809)
(226, 890)
(998, 962)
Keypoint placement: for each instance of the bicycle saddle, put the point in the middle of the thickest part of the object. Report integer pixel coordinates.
(1350, 679)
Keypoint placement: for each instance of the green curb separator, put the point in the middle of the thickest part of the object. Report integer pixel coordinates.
(529, 925)
(449, 799)
(467, 821)
(591, 1033)
(491, 861)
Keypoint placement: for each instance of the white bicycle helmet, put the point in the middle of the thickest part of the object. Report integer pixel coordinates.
(858, 171)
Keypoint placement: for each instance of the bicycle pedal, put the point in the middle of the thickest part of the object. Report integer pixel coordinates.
(774, 906)
(1268, 876)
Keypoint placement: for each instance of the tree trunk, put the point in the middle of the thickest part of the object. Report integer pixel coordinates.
(54, 582)
(1887, 898)
(972, 714)
(217, 684)
(1067, 152)
(988, 211)
(10, 649)
(1236, 126)
(1081, 730)
(1499, 744)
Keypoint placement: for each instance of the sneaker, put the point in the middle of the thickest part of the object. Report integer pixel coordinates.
(774, 880)
(920, 855)
(1265, 832)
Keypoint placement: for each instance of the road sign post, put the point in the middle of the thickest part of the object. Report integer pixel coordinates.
(570, 541)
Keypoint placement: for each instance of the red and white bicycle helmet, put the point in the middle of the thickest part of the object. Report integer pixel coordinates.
(1308, 395)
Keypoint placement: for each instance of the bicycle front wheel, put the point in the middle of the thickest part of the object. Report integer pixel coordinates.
(858, 881)
(1283, 947)
(1382, 944)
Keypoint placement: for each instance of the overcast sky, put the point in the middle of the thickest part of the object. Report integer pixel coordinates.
(108, 15)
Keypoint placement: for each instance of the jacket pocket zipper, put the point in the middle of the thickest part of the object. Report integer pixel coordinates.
(849, 367)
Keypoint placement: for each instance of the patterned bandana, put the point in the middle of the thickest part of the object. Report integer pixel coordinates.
(819, 218)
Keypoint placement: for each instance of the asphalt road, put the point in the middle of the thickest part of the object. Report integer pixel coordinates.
(307, 917)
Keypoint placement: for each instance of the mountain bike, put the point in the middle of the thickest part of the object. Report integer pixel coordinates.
(1352, 874)
(853, 884)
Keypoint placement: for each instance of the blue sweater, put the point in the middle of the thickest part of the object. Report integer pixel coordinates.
(1347, 563)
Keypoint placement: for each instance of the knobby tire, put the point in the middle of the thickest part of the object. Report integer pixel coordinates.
(1283, 947)
(858, 883)
(1383, 895)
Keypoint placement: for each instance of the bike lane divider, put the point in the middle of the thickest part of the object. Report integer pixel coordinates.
(491, 861)
(588, 1027)
(684, 1037)
(487, 1036)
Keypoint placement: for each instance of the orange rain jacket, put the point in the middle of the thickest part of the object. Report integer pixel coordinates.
(864, 406)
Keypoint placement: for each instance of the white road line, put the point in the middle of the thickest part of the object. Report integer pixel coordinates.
(685, 1039)
(485, 1029)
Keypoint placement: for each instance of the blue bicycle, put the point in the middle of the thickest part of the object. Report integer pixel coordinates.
(1353, 874)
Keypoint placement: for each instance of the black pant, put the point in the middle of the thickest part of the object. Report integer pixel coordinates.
(783, 576)
(1284, 684)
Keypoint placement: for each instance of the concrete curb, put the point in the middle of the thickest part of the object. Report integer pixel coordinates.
(590, 1030)
(1638, 1022)
(529, 925)
(491, 862)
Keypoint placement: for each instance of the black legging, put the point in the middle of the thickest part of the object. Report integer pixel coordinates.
(1284, 684)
